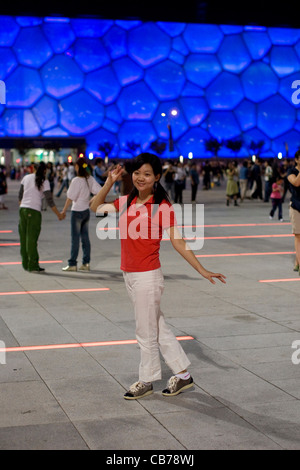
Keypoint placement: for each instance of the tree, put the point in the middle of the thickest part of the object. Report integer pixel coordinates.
(234, 144)
(106, 148)
(256, 147)
(158, 146)
(213, 145)
(131, 147)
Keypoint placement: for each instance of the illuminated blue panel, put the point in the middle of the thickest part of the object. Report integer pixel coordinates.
(8, 31)
(90, 28)
(166, 79)
(148, 44)
(195, 109)
(28, 20)
(26, 42)
(97, 78)
(292, 138)
(193, 141)
(285, 86)
(203, 37)
(46, 112)
(223, 125)
(275, 116)
(258, 43)
(90, 54)
(127, 70)
(103, 84)
(80, 113)
(8, 62)
(256, 135)
(128, 24)
(55, 132)
(59, 34)
(61, 76)
(19, 93)
(112, 112)
(172, 29)
(163, 117)
(99, 137)
(284, 37)
(201, 69)
(20, 122)
(180, 46)
(284, 60)
(225, 92)
(245, 113)
(115, 41)
(141, 133)
(233, 54)
(259, 82)
(137, 102)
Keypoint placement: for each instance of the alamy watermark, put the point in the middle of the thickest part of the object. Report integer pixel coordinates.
(136, 223)
(296, 354)
(2, 353)
(296, 94)
(2, 92)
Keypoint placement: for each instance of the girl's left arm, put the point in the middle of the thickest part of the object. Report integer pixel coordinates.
(181, 247)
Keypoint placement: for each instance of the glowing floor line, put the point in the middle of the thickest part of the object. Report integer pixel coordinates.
(80, 345)
(55, 291)
(247, 254)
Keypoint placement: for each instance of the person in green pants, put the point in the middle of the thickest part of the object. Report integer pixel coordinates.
(34, 187)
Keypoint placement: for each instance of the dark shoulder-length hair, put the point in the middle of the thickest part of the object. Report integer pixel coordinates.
(83, 169)
(159, 193)
(40, 175)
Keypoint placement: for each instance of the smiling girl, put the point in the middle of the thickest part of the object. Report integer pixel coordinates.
(142, 271)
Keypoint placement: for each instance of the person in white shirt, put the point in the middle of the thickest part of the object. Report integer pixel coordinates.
(34, 187)
(79, 192)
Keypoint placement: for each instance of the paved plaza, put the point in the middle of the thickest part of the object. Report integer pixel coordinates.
(63, 376)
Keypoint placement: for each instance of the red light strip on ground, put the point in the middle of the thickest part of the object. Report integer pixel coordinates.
(281, 280)
(80, 345)
(6, 231)
(9, 263)
(210, 226)
(248, 254)
(9, 244)
(234, 237)
(59, 291)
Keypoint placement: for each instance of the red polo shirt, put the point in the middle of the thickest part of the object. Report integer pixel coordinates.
(141, 231)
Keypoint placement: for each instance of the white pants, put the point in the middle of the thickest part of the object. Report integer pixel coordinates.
(153, 335)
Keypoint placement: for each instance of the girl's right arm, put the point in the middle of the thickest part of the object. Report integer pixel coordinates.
(98, 201)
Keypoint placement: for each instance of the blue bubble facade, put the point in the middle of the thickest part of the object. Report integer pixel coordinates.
(119, 81)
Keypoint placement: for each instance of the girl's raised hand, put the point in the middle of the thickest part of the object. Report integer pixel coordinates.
(115, 174)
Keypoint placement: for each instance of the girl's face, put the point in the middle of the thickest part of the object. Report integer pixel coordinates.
(144, 178)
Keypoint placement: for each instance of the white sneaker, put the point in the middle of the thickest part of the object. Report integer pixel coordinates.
(85, 267)
(70, 268)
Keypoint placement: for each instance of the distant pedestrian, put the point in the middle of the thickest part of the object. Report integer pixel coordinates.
(194, 175)
(232, 189)
(3, 186)
(78, 195)
(34, 187)
(276, 198)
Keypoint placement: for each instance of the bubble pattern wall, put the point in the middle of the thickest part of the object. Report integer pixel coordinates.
(117, 81)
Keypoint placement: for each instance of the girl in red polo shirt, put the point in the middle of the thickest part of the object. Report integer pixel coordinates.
(144, 215)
